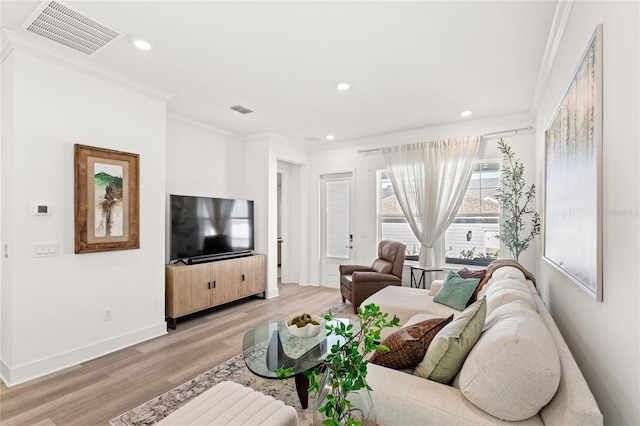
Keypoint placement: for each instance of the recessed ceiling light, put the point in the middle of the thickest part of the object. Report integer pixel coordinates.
(142, 44)
(343, 86)
(466, 113)
(330, 137)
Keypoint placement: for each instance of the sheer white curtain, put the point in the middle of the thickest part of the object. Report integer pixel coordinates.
(430, 180)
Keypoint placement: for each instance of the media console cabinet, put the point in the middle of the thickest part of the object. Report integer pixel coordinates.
(193, 288)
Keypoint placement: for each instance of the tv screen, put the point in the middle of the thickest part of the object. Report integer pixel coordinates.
(204, 227)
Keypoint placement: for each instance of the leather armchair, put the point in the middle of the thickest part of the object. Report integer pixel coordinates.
(358, 282)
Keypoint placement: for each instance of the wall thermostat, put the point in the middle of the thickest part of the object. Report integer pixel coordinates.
(40, 209)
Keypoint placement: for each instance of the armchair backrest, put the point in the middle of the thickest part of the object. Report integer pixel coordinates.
(390, 258)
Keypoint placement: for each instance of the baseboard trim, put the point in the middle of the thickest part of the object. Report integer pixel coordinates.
(271, 293)
(12, 376)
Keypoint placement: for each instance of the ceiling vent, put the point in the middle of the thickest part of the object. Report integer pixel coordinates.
(241, 109)
(65, 26)
(312, 139)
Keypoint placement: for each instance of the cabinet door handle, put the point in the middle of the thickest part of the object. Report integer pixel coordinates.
(242, 277)
(214, 284)
(209, 285)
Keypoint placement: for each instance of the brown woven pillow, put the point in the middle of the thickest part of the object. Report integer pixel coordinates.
(408, 345)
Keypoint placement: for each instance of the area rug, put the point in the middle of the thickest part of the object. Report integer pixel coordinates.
(234, 370)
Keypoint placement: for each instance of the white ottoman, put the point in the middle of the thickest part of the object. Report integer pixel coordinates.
(229, 403)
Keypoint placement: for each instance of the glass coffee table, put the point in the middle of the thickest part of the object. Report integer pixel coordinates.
(270, 346)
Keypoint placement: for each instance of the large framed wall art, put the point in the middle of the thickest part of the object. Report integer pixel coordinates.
(573, 176)
(106, 200)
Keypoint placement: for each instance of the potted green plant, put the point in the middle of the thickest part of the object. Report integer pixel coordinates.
(339, 382)
(515, 200)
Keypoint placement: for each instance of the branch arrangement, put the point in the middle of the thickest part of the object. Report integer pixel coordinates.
(515, 200)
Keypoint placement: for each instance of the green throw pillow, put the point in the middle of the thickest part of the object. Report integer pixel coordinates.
(456, 291)
(450, 347)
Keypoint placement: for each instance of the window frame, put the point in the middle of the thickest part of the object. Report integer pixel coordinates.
(447, 261)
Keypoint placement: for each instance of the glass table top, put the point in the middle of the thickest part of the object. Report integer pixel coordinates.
(270, 346)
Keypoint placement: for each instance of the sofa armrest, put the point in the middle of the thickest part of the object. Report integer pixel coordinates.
(404, 399)
(435, 286)
(350, 269)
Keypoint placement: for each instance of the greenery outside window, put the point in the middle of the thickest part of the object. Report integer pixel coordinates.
(471, 239)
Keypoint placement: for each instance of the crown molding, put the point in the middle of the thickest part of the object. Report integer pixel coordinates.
(259, 136)
(12, 40)
(194, 122)
(558, 27)
(428, 133)
(5, 46)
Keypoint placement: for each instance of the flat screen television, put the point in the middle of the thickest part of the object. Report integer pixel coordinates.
(205, 228)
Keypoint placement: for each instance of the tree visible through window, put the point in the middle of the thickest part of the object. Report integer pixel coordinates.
(471, 238)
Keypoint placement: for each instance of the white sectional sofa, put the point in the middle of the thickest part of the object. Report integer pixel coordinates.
(519, 357)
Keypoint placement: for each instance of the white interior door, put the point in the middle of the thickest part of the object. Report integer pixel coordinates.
(337, 226)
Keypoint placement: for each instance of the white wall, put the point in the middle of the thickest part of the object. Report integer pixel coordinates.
(604, 336)
(264, 152)
(202, 161)
(344, 156)
(52, 307)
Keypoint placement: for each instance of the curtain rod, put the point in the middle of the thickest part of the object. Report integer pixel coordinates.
(485, 136)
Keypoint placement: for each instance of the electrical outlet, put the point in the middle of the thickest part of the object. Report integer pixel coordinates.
(107, 314)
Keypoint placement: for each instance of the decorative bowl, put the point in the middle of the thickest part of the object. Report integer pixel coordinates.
(309, 330)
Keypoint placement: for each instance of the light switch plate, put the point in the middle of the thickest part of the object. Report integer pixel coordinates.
(45, 249)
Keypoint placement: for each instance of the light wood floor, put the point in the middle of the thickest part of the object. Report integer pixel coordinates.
(97, 391)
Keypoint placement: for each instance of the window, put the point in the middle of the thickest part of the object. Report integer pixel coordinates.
(392, 224)
(471, 237)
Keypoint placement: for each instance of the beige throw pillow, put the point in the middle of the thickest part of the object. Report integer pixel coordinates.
(514, 369)
(450, 347)
(501, 295)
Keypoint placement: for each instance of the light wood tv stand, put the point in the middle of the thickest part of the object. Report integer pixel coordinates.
(193, 288)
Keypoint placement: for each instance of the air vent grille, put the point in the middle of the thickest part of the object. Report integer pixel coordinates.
(312, 139)
(241, 109)
(70, 28)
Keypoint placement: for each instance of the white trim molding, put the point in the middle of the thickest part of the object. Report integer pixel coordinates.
(14, 375)
(12, 40)
(558, 26)
(202, 125)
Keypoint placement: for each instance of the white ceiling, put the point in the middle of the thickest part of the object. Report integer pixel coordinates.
(411, 64)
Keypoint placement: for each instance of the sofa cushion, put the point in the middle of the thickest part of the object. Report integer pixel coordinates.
(498, 295)
(450, 347)
(508, 272)
(456, 291)
(532, 287)
(405, 302)
(514, 368)
(506, 283)
(408, 345)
